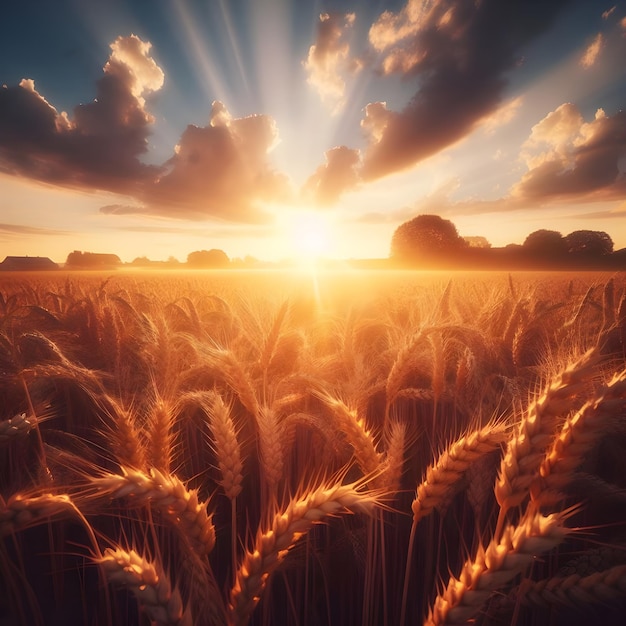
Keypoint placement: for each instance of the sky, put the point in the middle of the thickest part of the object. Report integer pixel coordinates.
(285, 128)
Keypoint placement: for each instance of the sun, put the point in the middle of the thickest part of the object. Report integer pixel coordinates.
(307, 234)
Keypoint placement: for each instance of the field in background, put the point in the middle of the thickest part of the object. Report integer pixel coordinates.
(312, 448)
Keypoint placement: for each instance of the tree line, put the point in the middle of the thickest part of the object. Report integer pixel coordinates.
(428, 241)
(431, 241)
(200, 259)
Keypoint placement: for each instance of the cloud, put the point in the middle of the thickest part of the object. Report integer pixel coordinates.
(329, 59)
(606, 14)
(617, 212)
(458, 52)
(569, 162)
(502, 116)
(553, 137)
(131, 63)
(567, 156)
(221, 171)
(17, 229)
(100, 145)
(122, 209)
(592, 52)
(221, 232)
(337, 175)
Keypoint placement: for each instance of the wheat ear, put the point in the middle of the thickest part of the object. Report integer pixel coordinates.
(359, 436)
(496, 565)
(535, 432)
(125, 436)
(600, 587)
(405, 359)
(442, 475)
(270, 442)
(577, 437)
(17, 427)
(22, 511)
(170, 496)
(226, 447)
(228, 452)
(435, 491)
(148, 583)
(391, 475)
(274, 542)
(161, 436)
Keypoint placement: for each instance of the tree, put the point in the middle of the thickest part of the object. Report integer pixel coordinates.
(545, 245)
(92, 260)
(589, 243)
(213, 259)
(477, 242)
(544, 241)
(426, 237)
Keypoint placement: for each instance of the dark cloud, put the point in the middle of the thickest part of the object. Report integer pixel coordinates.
(99, 147)
(335, 176)
(568, 160)
(221, 170)
(567, 156)
(459, 53)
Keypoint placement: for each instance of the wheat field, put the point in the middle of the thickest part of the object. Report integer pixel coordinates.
(284, 448)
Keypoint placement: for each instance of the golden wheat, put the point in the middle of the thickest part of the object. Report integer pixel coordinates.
(148, 583)
(169, 495)
(494, 566)
(286, 527)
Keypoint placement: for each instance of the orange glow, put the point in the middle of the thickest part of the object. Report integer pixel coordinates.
(307, 234)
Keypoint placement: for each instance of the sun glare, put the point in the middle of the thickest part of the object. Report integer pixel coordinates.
(307, 234)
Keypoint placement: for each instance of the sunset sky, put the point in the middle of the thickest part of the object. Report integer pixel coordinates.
(272, 127)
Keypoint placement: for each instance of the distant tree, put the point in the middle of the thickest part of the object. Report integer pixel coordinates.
(592, 243)
(426, 237)
(477, 242)
(545, 242)
(92, 260)
(213, 259)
